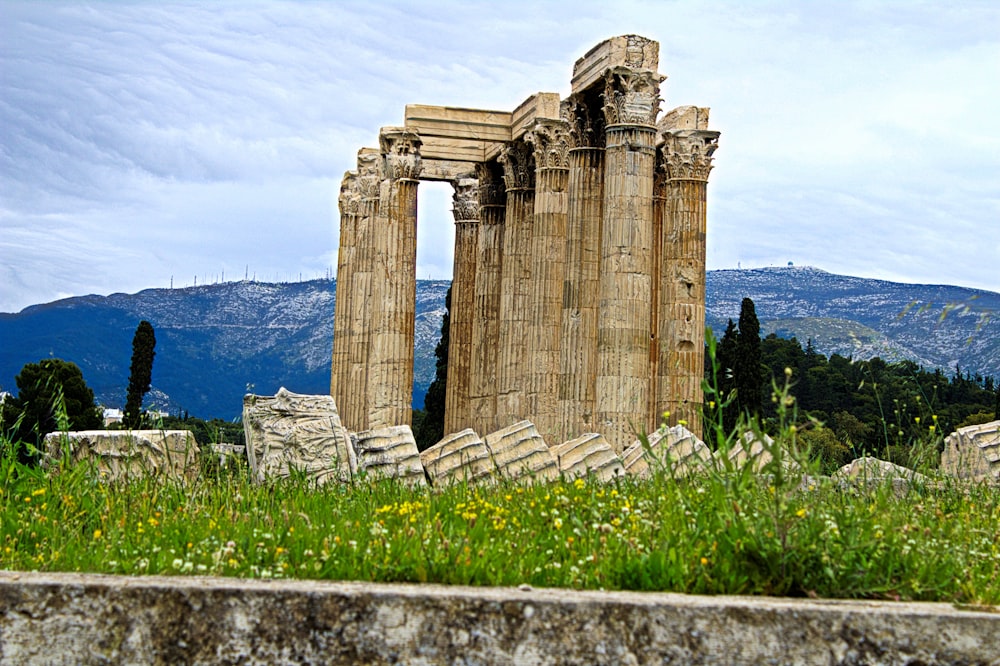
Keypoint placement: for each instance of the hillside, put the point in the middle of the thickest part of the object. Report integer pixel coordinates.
(215, 342)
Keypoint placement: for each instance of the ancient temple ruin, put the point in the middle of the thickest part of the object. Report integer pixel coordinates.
(578, 298)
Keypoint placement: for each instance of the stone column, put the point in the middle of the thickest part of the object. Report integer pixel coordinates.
(486, 304)
(354, 396)
(581, 284)
(519, 178)
(631, 103)
(687, 157)
(349, 204)
(550, 139)
(394, 283)
(457, 415)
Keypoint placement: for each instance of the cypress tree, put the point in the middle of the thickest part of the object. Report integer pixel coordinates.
(747, 368)
(431, 428)
(725, 356)
(140, 374)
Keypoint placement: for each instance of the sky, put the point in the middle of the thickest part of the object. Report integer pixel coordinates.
(156, 144)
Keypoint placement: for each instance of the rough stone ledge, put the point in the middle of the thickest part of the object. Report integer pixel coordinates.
(90, 619)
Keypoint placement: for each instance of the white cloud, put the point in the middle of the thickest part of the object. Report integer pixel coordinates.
(144, 140)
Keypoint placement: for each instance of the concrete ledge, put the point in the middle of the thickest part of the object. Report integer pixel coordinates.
(90, 619)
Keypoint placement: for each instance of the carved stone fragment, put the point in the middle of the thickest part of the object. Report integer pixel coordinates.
(389, 453)
(519, 452)
(588, 454)
(973, 453)
(123, 455)
(460, 457)
(868, 471)
(290, 431)
(675, 450)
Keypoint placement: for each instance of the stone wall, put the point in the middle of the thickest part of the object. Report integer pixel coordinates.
(91, 619)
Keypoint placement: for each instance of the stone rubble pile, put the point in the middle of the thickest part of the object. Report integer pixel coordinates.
(290, 434)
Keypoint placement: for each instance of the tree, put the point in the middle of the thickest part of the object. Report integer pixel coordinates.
(747, 363)
(140, 374)
(52, 395)
(725, 358)
(430, 429)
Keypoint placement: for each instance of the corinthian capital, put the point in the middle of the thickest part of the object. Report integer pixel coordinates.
(400, 153)
(369, 177)
(518, 164)
(466, 200)
(687, 154)
(631, 97)
(551, 140)
(350, 198)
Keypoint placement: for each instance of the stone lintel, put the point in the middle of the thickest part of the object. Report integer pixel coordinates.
(456, 134)
(630, 51)
(684, 117)
(444, 169)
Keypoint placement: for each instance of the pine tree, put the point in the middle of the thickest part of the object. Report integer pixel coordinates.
(431, 428)
(725, 356)
(52, 395)
(140, 374)
(747, 368)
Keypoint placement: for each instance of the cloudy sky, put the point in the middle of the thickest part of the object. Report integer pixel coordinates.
(149, 142)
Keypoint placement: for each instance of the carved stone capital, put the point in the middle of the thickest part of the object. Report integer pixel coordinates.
(551, 140)
(350, 197)
(369, 176)
(400, 153)
(492, 191)
(518, 163)
(466, 200)
(687, 154)
(631, 97)
(586, 125)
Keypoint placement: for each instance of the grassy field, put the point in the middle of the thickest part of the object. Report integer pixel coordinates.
(720, 532)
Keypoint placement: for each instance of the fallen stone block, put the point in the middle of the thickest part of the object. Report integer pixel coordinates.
(293, 432)
(588, 454)
(519, 452)
(973, 453)
(868, 471)
(389, 453)
(122, 455)
(460, 457)
(675, 450)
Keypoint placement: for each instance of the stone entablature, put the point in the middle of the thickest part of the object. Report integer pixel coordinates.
(581, 217)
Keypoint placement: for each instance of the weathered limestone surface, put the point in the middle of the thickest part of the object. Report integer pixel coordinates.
(394, 281)
(588, 454)
(751, 450)
(290, 431)
(515, 281)
(519, 452)
(460, 457)
(973, 453)
(868, 471)
(89, 619)
(389, 453)
(457, 415)
(120, 455)
(675, 450)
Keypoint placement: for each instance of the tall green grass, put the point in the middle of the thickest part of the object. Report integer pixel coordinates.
(720, 532)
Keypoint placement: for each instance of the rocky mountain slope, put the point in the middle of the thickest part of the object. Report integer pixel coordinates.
(215, 342)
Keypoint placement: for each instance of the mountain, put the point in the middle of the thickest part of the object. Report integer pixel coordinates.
(216, 342)
(935, 326)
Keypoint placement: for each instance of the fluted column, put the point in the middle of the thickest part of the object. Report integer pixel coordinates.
(486, 303)
(687, 157)
(550, 140)
(515, 278)
(623, 381)
(353, 400)
(349, 203)
(457, 414)
(394, 283)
